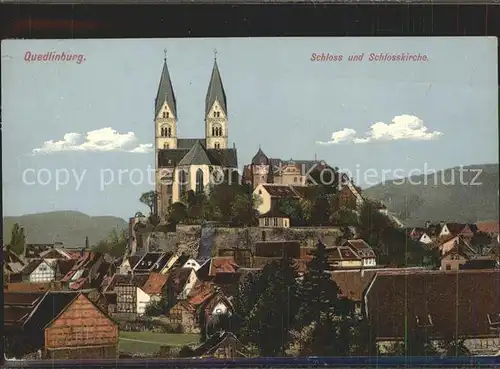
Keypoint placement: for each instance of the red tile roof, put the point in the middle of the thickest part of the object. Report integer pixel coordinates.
(352, 283)
(201, 292)
(453, 303)
(491, 227)
(155, 283)
(222, 264)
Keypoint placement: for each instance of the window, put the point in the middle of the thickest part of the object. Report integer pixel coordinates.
(183, 181)
(166, 114)
(260, 192)
(295, 179)
(448, 267)
(199, 181)
(218, 114)
(166, 146)
(275, 222)
(215, 114)
(217, 145)
(169, 132)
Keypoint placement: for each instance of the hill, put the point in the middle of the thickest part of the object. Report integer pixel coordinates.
(436, 197)
(68, 227)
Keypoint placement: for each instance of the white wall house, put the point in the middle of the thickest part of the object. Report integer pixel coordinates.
(191, 281)
(44, 272)
(143, 300)
(193, 264)
(425, 239)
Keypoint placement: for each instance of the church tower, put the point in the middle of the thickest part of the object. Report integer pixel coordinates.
(165, 113)
(216, 125)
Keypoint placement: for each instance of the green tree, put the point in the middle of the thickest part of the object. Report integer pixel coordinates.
(155, 308)
(243, 211)
(18, 239)
(177, 212)
(481, 239)
(115, 245)
(344, 217)
(320, 306)
(292, 208)
(149, 199)
(273, 316)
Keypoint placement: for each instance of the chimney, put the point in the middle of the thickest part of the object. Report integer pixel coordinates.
(234, 145)
(86, 242)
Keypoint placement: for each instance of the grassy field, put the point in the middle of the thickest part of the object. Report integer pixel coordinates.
(150, 342)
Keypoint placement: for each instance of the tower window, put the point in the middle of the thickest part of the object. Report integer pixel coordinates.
(166, 132)
(199, 181)
(217, 131)
(166, 146)
(218, 114)
(217, 145)
(215, 114)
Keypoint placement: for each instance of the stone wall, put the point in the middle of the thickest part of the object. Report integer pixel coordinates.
(186, 238)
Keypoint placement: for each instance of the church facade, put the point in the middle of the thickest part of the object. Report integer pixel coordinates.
(184, 164)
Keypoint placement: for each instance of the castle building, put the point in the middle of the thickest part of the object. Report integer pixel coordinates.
(184, 164)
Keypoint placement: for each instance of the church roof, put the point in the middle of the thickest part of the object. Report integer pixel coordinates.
(169, 158)
(196, 156)
(215, 91)
(165, 92)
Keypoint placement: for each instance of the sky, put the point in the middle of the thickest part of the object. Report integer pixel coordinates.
(79, 134)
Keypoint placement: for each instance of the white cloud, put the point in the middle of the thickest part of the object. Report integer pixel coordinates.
(100, 140)
(403, 127)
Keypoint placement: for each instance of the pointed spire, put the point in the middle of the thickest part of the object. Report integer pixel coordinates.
(165, 91)
(215, 89)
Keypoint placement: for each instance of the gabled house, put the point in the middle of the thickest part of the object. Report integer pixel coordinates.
(216, 265)
(215, 305)
(343, 257)
(35, 251)
(12, 265)
(59, 253)
(179, 284)
(447, 305)
(155, 286)
(364, 251)
(491, 228)
(192, 263)
(152, 262)
(456, 229)
(128, 263)
(456, 257)
(274, 218)
(271, 194)
(85, 270)
(176, 261)
(130, 295)
(42, 270)
(448, 243)
(52, 325)
(221, 345)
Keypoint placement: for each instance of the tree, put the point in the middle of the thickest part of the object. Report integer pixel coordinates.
(155, 308)
(177, 212)
(243, 210)
(481, 239)
(115, 245)
(273, 316)
(18, 239)
(320, 306)
(344, 217)
(149, 199)
(292, 208)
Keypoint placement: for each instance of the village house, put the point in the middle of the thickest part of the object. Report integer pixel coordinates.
(274, 218)
(130, 295)
(179, 284)
(154, 287)
(457, 256)
(176, 261)
(221, 345)
(35, 251)
(216, 265)
(58, 325)
(443, 304)
(449, 242)
(152, 262)
(185, 315)
(192, 263)
(46, 270)
(491, 228)
(12, 265)
(83, 274)
(128, 263)
(456, 229)
(364, 251)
